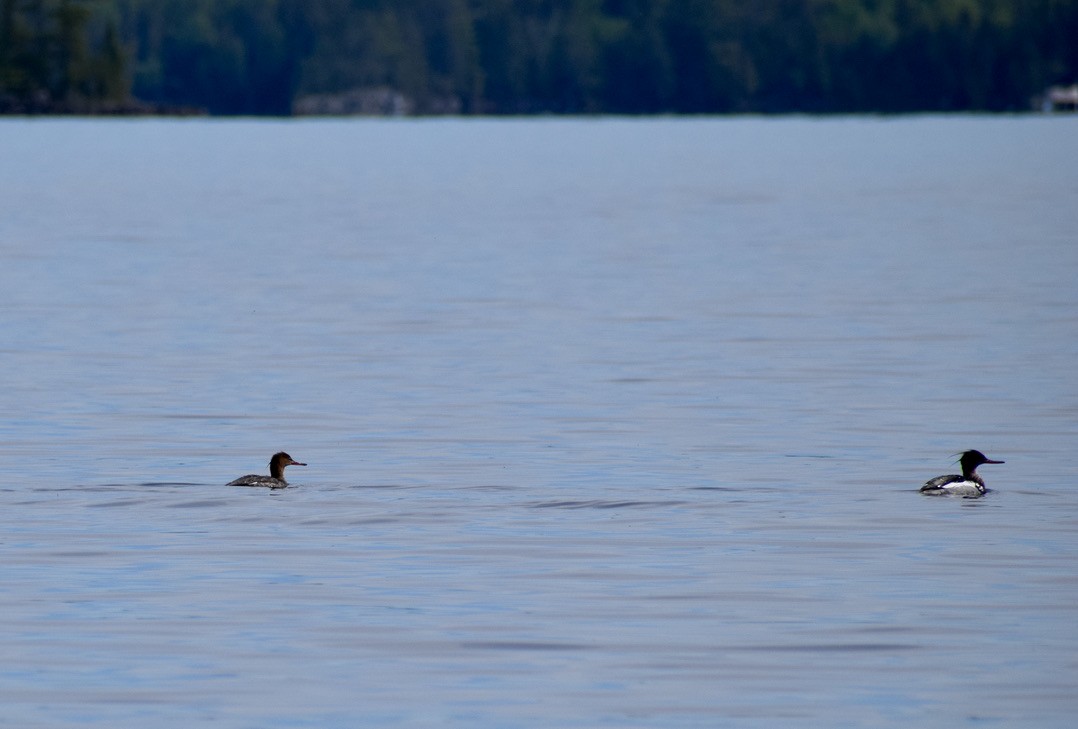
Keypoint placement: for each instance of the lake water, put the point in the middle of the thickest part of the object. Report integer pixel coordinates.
(609, 423)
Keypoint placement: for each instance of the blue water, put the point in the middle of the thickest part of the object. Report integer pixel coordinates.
(609, 423)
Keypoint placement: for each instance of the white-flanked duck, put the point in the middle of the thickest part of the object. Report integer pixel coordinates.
(276, 478)
(968, 484)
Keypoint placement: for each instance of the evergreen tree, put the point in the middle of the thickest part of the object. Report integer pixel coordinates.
(514, 56)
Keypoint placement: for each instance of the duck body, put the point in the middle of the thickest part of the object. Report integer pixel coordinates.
(955, 485)
(254, 479)
(968, 484)
(276, 478)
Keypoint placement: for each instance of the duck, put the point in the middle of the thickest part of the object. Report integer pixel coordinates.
(969, 484)
(275, 480)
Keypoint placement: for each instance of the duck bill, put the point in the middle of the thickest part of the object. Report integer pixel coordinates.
(989, 461)
(297, 463)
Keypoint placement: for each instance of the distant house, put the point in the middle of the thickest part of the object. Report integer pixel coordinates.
(366, 101)
(1061, 98)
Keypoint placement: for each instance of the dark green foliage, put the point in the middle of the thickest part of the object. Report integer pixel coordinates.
(561, 56)
(60, 56)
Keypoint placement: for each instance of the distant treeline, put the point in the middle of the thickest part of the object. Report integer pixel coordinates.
(525, 56)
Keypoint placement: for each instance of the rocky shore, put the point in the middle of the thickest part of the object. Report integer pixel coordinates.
(44, 105)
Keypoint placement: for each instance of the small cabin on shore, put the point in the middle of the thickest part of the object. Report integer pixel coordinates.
(1061, 98)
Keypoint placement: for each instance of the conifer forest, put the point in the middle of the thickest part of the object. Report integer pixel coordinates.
(279, 57)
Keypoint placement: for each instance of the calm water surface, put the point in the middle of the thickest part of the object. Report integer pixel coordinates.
(610, 423)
